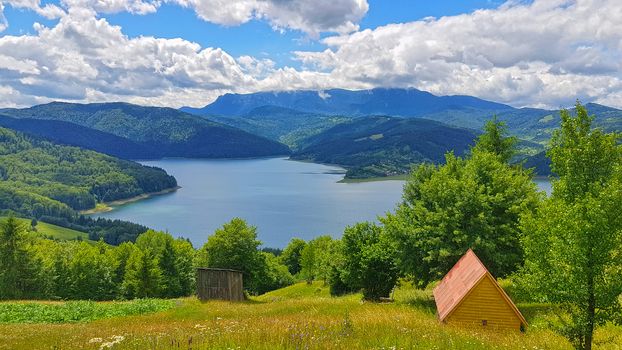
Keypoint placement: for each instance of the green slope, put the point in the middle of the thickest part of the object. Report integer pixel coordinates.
(285, 125)
(52, 231)
(39, 178)
(384, 146)
(158, 132)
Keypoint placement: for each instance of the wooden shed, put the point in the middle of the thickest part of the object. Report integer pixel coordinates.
(469, 295)
(223, 284)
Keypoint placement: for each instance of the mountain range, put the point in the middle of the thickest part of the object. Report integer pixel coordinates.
(370, 132)
(293, 116)
(393, 102)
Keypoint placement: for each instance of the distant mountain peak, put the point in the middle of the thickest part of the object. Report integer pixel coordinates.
(406, 102)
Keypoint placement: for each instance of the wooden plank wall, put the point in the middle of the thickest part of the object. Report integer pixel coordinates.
(485, 302)
(219, 284)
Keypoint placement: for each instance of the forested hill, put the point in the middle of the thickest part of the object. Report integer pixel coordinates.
(285, 125)
(77, 135)
(530, 124)
(156, 132)
(39, 178)
(382, 146)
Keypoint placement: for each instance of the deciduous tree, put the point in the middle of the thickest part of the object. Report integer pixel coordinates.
(572, 243)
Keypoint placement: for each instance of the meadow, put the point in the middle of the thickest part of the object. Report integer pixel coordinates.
(44, 229)
(297, 317)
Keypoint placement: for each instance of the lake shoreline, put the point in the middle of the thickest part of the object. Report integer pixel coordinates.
(139, 160)
(402, 177)
(110, 206)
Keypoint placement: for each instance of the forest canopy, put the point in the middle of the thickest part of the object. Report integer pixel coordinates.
(40, 178)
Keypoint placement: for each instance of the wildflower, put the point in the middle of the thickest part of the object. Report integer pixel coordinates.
(114, 340)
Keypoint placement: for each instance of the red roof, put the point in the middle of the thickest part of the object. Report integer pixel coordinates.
(457, 283)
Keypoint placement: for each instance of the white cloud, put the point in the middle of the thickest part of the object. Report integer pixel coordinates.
(140, 7)
(547, 52)
(3, 22)
(48, 11)
(83, 58)
(309, 16)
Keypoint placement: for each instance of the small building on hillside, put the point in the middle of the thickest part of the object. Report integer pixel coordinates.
(223, 284)
(469, 295)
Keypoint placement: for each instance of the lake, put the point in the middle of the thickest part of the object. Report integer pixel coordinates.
(282, 198)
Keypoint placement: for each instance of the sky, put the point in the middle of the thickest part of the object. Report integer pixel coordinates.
(540, 53)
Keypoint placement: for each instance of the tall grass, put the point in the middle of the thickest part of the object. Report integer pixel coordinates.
(298, 317)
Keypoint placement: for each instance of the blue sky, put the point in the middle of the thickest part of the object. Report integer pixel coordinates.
(539, 53)
(255, 38)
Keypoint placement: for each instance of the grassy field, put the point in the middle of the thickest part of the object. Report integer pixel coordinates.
(297, 317)
(61, 233)
(55, 232)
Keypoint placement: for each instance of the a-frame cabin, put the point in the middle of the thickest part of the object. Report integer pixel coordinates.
(469, 295)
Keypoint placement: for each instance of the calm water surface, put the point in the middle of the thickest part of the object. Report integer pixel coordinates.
(283, 198)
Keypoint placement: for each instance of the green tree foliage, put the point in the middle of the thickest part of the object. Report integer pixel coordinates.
(174, 260)
(572, 243)
(370, 261)
(143, 276)
(466, 203)
(44, 179)
(273, 275)
(18, 270)
(319, 257)
(292, 255)
(495, 140)
(186, 268)
(33, 267)
(235, 246)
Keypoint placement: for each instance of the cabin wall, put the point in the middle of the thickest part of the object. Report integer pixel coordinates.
(485, 302)
(219, 284)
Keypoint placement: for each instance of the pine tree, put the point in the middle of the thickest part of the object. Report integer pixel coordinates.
(18, 270)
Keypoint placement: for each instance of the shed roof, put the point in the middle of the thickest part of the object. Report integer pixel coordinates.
(217, 269)
(459, 281)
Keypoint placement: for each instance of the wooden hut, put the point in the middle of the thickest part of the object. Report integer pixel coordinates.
(469, 295)
(221, 284)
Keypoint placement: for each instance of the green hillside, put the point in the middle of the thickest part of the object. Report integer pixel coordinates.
(384, 146)
(60, 233)
(47, 230)
(158, 132)
(40, 178)
(285, 125)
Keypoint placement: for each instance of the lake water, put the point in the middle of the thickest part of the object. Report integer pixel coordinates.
(282, 198)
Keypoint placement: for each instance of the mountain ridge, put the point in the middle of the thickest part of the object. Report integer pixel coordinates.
(157, 131)
(385, 101)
